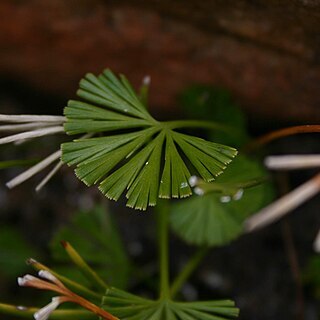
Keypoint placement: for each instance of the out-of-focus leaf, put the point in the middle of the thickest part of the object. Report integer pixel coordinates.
(95, 235)
(216, 104)
(14, 250)
(206, 220)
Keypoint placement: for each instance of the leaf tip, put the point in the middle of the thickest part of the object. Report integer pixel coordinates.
(31, 261)
(186, 195)
(164, 196)
(133, 206)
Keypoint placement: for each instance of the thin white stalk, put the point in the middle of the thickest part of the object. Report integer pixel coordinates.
(292, 162)
(316, 244)
(33, 170)
(44, 313)
(284, 205)
(31, 118)
(31, 134)
(20, 142)
(47, 275)
(27, 126)
(47, 178)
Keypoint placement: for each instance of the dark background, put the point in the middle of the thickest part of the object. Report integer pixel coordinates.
(266, 53)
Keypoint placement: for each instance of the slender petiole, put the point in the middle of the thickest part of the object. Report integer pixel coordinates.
(87, 271)
(284, 205)
(34, 170)
(198, 124)
(163, 235)
(274, 135)
(47, 178)
(23, 118)
(32, 134)
(292, 162)
(27, 126)
(28, 312)
(188, 269)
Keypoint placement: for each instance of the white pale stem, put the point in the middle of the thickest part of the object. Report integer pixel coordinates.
(32, 134)
(26, 279)
(31, 118)
(292, 162)
(33, 170)
(47, 178)
(26, 126)
(47, 275)
(316, 244)
(284, 205)
(44, 313)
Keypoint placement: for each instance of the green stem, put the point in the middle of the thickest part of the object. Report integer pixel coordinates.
(80, 289)
(163, 233)
(198, 124)
(277, 134)
(188, 270)
(25, 312)
(230, 187)
(86, 270)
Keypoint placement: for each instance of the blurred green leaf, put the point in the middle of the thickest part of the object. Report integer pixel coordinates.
(206, 220)
(216, 104)
(14, 250)
(95, 235)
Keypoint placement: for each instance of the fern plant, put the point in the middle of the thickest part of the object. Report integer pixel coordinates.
(149, 160)
(125, 150)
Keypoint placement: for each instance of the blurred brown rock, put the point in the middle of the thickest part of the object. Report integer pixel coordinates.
(265, 52)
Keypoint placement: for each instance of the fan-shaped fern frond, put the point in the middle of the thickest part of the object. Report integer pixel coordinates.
(145, 158)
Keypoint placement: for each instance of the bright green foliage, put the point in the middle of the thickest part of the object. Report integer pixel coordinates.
(205, 220)
(95, 235)
(145, 158)
(13, 250)
(130, 307)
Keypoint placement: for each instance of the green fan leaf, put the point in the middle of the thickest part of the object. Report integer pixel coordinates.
(130, 307)
(138, 155)
(208, 220)
(95, 235)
